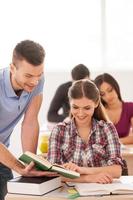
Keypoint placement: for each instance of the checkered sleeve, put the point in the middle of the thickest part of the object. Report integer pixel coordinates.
(113, 147)
(55, 140)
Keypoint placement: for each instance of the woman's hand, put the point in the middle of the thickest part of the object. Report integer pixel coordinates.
(72, 166)
(103, 178)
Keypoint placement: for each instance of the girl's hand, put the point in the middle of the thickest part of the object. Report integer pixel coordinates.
(103, 178)
(72, 166)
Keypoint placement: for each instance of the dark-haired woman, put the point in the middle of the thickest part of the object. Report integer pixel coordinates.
(118, 111)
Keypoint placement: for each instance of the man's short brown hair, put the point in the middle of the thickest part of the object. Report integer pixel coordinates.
(30, 51)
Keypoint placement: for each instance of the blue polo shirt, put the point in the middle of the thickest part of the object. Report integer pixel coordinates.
(13, 107)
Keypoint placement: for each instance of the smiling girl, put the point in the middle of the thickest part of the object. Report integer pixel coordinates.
(87, 143)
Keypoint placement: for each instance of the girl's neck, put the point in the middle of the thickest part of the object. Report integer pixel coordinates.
(114, 106)
(84, 126)
(84, 131)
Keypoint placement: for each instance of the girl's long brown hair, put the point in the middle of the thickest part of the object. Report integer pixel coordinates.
(88, 89)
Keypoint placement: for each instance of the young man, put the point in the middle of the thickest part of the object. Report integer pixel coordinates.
(21, 88)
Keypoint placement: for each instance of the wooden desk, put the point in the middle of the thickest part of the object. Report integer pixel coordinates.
(127, 154)
(62, 194)
(113, 197)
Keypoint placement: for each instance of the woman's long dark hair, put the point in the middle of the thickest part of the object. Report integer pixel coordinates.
(88, 89)
(111, 81)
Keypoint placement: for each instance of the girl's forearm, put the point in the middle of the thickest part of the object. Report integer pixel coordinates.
(113, 170)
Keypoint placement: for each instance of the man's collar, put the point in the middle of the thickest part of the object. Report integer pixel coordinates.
(8, 86)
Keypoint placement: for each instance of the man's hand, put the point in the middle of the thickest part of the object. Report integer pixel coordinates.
(30, 171)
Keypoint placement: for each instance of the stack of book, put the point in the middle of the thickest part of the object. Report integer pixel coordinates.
(33, 185)
(39, 185)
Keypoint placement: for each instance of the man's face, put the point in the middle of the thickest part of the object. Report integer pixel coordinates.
(25, 76)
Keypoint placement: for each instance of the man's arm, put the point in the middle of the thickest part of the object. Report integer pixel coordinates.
(30, 125)
(7, 159)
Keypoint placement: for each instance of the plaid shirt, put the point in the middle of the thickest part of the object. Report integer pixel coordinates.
(101, 149)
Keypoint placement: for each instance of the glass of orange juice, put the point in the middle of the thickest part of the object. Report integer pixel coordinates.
(43, 146)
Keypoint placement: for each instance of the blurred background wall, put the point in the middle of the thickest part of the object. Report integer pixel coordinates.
(97, 33)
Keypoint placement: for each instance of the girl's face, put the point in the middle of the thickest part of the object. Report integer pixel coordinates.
(108, 93)
(82, 110)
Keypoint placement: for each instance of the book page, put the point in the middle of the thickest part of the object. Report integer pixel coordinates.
(65, 172)
(126, 179)
(86, 189)
(95, 188)
(38, 158)
(44, 161)
(57, 165)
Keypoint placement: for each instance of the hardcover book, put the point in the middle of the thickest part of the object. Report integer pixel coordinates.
(43, 164)
(33, 185)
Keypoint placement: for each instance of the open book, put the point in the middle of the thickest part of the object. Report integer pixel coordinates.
(43, 164)
(117, 187)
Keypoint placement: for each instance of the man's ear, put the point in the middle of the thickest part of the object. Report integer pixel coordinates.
(12, 68)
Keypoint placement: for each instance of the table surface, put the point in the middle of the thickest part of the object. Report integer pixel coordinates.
(113, 197)
(127, 150)
(62, 194)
